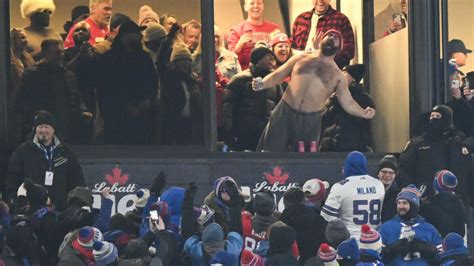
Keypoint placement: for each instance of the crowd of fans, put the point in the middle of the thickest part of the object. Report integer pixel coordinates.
(360, 220)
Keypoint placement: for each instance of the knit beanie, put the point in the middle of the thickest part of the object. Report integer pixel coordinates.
(146, 12)
(212, 233)
(142, 197)
(445, 181)
(44, 118)
(453, 242)
(293, 196)
(136, 248)
(37, 195)
(355, 164)
(258, 53)
(81, 195)
(388, 161)
(349, 250)
(281, 238)
(153, 31)
(204, 215)
(219, 184)
(279, 37)
(327, 253)
(264, 203)
(87, 235)
(180, 51)
(104, 253)
(315, 189)
(336, 232)
(410, 194)
(250, 259)
(28, 7)
(370, 239)
(357, 71)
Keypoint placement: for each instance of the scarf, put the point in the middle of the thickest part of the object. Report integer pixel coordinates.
(85, 253)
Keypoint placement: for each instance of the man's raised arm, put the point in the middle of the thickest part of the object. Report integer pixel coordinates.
(277, 76)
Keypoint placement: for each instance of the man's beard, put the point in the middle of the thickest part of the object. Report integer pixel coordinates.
(329, 49)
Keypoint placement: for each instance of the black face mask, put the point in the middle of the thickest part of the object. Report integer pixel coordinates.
(411, 214)
(328, 48)
(438, 127)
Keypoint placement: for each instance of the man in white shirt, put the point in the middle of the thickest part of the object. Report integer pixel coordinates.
(357, 199)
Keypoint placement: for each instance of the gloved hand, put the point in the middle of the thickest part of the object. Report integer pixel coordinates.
(158, 184)
(234, 194)
(191, 191)
(400, 247)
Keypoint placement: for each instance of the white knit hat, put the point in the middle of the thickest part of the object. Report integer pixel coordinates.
(142, 197)
(370, 239)
(28, 7)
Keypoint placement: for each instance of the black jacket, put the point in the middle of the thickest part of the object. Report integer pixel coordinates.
(342, 131)
(446, 212)
(53, 89)
(423, 156)
(29, 161)
(463, 115)
(389, 207)
(245, 109)
(309, 227)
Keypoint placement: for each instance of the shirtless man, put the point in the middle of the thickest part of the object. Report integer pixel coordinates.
(314, 77)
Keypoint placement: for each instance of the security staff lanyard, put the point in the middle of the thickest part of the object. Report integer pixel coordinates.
(49, 175)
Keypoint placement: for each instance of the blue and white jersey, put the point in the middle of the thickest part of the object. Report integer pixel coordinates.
(356, 200)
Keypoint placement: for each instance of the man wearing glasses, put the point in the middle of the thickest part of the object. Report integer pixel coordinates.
(387, 171)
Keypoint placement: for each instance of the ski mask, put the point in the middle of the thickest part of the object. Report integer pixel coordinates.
(439, 126)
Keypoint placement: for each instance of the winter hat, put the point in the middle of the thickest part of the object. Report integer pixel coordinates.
(315, 189)
(81, 195)
(28, 7)
(445, 180)
(87, 235)
(204, 215)
(293, 196)
(410, 194)
(153, 31)
(258, 53)
(118, 221)
(348, 250)
(250, 259)
(357, 71)
(281, 238)
(219, 184)
(136, 248)
(36, 194)
(142, 197)
(264, 203)
(279, 37)
(370, 239)
(104, 252)
(44, 118)
(327, 253)
(223, 257)
(212, 233)
(388, 161)
(355, 164)
(446, 115)
(118, 19)
(180, 51)
(453, 244)
(146, 12)
(336, 232)
(76, 13)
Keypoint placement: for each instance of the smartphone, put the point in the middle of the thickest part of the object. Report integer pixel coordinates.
(397, 18)
(154, 215)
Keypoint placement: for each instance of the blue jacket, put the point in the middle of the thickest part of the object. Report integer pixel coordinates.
(194, 249)
(390, 233)
(174, 196)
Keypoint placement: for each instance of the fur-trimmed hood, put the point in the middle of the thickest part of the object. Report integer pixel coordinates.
(28, 7)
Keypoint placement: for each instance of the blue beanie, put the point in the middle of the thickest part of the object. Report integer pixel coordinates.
(411, 194)
(453, 244)
(355, 164)
(444, 180)
(104, 252)
(349, 250)
(212, 233)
